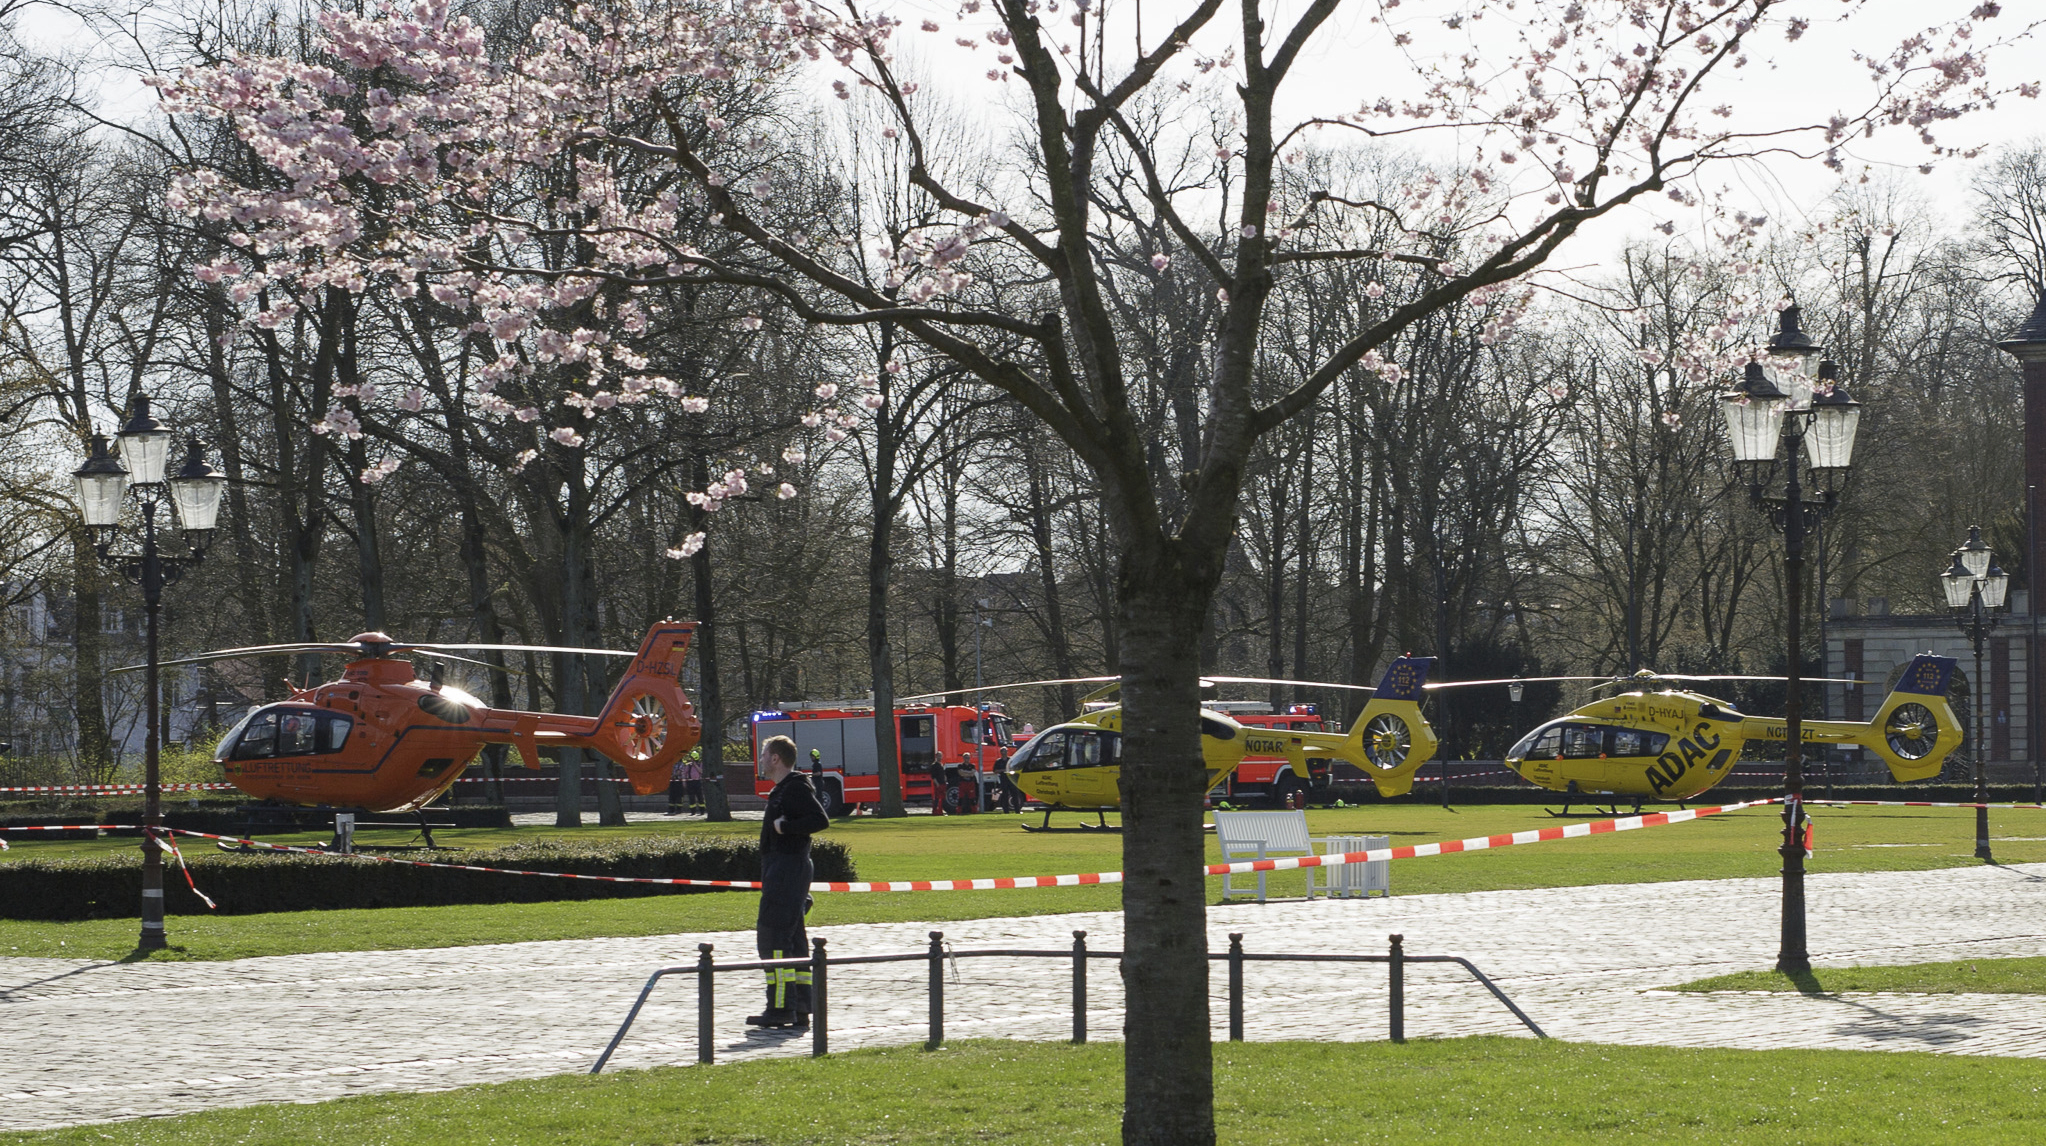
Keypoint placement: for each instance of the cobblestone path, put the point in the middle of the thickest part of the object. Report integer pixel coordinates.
(88, 1041)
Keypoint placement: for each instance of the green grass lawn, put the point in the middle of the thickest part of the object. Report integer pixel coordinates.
(1466, 1091)
(921, 847)
(1986, 976)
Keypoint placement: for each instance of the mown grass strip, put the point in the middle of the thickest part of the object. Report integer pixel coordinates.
(1469, 1091)
(1961, 976)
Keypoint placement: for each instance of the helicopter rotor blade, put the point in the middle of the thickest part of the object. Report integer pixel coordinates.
(1807, 680)
(1209, 680)
(923, 696)
(406, 647)
(251, 651)
(440, 656)
(1506, 680)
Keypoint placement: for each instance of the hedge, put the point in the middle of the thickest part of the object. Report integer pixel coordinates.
(233, 819)
(250, 883)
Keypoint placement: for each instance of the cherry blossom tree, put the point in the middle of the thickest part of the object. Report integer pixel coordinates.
(1543, 118)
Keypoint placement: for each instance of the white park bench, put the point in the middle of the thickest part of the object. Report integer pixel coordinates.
(1279, 835)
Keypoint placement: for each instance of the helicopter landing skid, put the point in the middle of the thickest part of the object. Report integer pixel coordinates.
(1611, 810)
(1102, 826)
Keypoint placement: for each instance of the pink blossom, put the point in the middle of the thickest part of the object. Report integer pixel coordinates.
(690, 546)
(785, 491)
(566, 437)
(1160, 262)
(694, 405)
(1374, 290)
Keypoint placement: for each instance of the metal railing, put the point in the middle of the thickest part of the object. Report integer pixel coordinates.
(819, 965)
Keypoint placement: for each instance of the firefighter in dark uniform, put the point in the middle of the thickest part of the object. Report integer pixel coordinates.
(793, 814)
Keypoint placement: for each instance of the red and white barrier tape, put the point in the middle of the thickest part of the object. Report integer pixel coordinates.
(119, 789)
(1446, 847)
(1084, 879)
(164, 841)
(1924, 804)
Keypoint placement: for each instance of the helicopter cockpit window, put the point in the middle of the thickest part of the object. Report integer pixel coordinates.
(258, 738)
(1638, 742)
(1541, 742)
(1045, 753)
(285, 732)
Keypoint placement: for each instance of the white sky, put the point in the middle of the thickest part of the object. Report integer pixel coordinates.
(1352, 61)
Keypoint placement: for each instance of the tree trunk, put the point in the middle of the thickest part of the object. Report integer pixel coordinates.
(1168, 1095)
(97, 756)
(1047, 570)
(880, 561)
(880, 658)
(483, 614)
(710, 697)
(369, 559)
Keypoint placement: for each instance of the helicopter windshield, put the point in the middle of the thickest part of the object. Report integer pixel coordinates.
(284, 730)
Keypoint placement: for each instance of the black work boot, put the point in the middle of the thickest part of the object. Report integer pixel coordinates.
(777, 1017)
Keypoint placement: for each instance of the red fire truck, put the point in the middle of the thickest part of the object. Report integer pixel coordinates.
(1269, 776)
(960, 746)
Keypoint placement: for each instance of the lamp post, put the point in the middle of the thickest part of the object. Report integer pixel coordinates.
(193, 494)
(1794, 399)
(1975, 586)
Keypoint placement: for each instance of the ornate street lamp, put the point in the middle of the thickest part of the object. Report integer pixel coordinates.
(1794, 398)
(193, 494)
(1975, 587)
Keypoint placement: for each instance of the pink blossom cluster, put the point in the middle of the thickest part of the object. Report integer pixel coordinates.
(388, 160)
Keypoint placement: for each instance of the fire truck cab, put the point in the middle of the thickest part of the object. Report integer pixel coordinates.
(1269, 777)
(953, 750)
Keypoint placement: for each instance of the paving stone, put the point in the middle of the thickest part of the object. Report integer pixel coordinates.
(91, 1041)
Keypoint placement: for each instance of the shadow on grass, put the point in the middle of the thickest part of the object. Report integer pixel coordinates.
(1806, 982)
(142, 954)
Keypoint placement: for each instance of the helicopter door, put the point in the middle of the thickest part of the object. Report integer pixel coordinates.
(1094, 758)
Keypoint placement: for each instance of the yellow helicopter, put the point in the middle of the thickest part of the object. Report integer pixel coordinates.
(1660, 739)
(1076, 766)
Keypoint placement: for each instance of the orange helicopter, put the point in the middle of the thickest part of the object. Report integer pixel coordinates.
(382, 740)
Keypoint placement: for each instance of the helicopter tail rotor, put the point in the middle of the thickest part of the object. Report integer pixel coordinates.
(1916, 728)
(1391, 739)
(648, 722)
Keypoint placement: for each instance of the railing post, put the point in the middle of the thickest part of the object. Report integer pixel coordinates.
(1236, 986)
(1398, 998)
(820, 1010)
(1079, 986)
(706, 1000)
(937, 1038)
